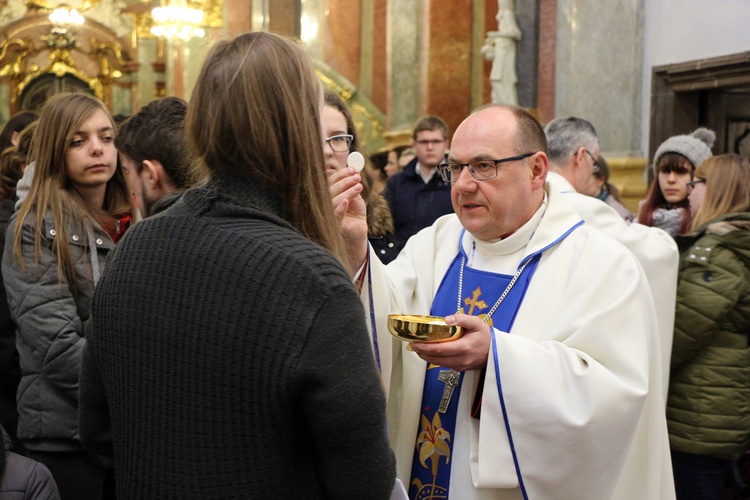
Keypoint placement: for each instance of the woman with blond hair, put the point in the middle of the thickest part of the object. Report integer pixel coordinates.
(57, 247)
(247, 371)
(708, 408)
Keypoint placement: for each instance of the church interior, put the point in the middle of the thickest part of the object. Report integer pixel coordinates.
(627, 66)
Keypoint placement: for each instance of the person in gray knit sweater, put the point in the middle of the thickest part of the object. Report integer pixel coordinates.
(228, 355)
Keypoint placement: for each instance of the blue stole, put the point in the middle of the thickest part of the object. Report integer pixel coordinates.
(430, 471)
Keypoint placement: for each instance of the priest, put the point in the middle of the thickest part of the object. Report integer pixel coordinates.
(555, 389)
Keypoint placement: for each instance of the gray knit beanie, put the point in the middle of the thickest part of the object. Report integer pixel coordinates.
(696, 147)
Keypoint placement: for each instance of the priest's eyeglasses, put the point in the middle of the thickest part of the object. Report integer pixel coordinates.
(340, 143)
(481, 170)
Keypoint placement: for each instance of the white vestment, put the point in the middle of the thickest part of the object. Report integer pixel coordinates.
(581, 367)
(655, 249)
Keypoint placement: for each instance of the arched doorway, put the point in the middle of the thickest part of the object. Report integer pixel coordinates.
(44, 86)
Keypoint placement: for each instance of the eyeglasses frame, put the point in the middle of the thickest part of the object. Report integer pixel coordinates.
(348, 146)
(444, 168)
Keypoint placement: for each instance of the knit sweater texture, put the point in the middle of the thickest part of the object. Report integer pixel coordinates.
(233, 357)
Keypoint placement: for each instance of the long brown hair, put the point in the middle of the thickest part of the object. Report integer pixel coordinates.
(255, 112)
(12, 162)
(60, 118)
(727, 187)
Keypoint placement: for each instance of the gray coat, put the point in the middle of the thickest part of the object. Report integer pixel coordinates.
(50, 330)
(22, 478)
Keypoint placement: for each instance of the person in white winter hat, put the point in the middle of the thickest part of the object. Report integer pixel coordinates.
(675, 161)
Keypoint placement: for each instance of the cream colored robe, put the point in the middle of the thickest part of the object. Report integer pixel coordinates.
(581, 368)
(655, 250)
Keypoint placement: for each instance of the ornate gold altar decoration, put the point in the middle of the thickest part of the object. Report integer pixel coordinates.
(46, 42)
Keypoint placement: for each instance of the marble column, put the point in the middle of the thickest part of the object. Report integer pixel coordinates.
(547, 48)
(238, 15)
(342, 40)
(378, 91)
(446, 61)
(403, 62)
(527, 52)
(284, 17)
(590, 34)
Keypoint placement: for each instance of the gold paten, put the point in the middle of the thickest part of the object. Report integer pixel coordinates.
(417, 328)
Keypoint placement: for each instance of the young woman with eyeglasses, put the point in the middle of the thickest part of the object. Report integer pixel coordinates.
(666, 204)
(341, 139)
(708, 407)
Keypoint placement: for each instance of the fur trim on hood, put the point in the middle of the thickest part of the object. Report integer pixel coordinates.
(379, 218)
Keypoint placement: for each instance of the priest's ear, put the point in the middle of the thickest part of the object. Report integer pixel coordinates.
(539, 169)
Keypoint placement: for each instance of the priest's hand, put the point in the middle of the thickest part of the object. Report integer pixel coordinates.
(349, 207)
(467, 353)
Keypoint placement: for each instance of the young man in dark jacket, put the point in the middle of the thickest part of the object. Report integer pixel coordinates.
(418, 195)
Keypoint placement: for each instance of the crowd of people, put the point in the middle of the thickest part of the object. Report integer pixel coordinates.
(197, 298)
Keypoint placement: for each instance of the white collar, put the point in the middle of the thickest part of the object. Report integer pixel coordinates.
(480, 250)
(426, 177)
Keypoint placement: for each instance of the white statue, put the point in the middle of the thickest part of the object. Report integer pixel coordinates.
(500, 48)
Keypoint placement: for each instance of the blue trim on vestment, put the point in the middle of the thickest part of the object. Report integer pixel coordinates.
(497, 364)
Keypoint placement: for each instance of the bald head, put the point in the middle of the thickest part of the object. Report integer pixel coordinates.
(493, 208)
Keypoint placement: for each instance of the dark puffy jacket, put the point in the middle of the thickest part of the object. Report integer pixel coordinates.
(708, 407)
(50, 331)
(22, 478)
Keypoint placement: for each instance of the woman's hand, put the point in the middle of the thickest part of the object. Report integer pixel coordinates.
(349, 207)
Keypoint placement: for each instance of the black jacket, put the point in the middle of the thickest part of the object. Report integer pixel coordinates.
(414, 204)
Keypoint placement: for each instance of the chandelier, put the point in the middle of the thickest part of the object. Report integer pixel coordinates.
(177, 21)
(65, 16)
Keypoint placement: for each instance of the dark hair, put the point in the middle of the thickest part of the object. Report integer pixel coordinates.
(674, 162)
(12, 162)
(655, 198)
(255, 113)
(430, 122)
(530, 136)
(334, 100)
(17, 123)
(603, 174)
(157, 132)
